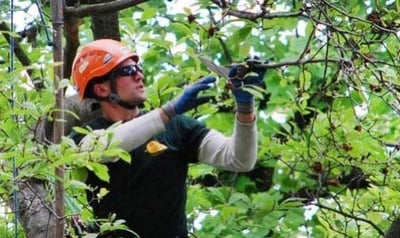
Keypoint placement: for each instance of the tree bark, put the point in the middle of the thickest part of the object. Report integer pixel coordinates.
(71, 34)
(394, 230)
(105, 25)
(18, 51)
(35, 210)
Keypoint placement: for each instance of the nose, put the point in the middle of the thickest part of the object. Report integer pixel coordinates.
(139, 76)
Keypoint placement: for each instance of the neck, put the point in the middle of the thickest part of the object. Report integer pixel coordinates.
(114, 112)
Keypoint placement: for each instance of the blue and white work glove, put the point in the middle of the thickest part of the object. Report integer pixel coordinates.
(189, 98)
(245, 74)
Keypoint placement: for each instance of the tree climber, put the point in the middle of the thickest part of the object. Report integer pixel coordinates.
(150, 192)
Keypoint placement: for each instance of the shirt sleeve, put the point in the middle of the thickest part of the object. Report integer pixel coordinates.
(236, 153)
(128, 135)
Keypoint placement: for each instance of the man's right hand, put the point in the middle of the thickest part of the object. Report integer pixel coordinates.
(245, 74)
(189, 99)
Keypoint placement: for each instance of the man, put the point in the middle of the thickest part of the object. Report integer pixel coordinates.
(150, 192)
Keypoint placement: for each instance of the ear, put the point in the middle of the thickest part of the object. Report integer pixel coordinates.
(102, 89)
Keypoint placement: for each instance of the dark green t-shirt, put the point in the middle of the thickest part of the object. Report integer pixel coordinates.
(150, 193)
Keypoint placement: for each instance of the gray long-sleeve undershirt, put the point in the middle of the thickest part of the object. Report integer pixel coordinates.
(236, 153)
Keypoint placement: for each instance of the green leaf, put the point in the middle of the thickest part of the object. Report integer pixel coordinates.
(240, 35)
(199, 170)
(148, 13)
(181, 28)
(100, 170)
(12, 34)
(264, 201)
(305, 80)
(72, 205)
(218, 194)
(239, 199)
(81, 130)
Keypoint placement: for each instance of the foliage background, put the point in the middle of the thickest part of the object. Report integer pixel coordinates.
(327, 119)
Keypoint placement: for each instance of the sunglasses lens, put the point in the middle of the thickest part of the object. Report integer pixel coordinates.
(128, 70)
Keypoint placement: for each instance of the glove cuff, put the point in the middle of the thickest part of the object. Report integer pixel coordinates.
(169, 109)
(245, 107)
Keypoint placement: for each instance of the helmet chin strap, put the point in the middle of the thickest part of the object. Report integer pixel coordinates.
(114, 98)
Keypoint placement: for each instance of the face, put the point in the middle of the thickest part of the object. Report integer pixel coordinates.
(129, 82)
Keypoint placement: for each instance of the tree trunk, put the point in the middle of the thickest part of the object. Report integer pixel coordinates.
(394, 230)
(35, 210)
(105, 25)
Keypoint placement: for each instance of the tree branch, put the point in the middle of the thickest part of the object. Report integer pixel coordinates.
(22, 57)
(100, 8)
(352, 217)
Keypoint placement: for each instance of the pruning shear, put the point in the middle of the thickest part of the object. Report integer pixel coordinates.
(244, 68)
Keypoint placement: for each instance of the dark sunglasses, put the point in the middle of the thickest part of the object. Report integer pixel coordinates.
(129, 70)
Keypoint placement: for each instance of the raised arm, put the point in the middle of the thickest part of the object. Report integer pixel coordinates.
(239, 152)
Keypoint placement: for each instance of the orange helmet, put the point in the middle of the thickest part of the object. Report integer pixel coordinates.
(97, 59)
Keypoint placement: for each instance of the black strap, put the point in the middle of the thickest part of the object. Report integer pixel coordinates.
(114, 98)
